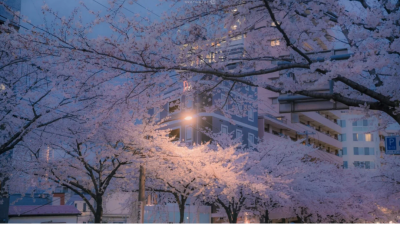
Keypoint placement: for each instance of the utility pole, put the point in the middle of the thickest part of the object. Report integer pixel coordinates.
(306, 133)
(142, 200)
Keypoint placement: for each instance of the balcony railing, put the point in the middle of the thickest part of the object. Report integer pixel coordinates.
(279, 119)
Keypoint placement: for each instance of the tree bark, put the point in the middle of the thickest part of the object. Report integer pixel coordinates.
(265, 217)
(98, 216)
(234, 216)
(182, 209)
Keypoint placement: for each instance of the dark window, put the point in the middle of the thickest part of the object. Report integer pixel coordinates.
(173, 106)
(365, 123)
(344, 151)
(355, 150)
(367, 165)
(345, 165)
(366, 151)
(84, 207)
(175, 134)
(76, 205)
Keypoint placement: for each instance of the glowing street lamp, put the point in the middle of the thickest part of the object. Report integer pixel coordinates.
(188, 118)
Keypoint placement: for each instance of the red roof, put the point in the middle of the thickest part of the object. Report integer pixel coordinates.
(42, 210)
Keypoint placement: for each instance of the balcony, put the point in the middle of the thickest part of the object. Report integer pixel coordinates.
(320, 120)
(322, 137)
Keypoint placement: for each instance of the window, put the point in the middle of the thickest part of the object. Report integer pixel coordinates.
(356, 164)
(189, 133)
(275, 42)
(344, 151)
(224, 100)
(342, 137)
(367, 165)
(224, 129)
(157, 113)
(362, 123)
(274, 25)
(342, 123)
(345, 165)
(76, 205)
(356, 151)
(239, 134)
(175, 134)
(368, 137)
(274, 101)
(84, 207)
(173, 106)
(366, 151)
(358, 137)
(189, 102)
(251, 114)
(251, 139)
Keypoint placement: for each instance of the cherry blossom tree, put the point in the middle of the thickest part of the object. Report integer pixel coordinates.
(189, 172)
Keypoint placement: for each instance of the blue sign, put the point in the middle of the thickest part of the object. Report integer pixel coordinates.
(392, 145)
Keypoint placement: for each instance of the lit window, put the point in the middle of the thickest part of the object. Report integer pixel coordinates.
(368, 137)
(224, 129)
(274, 25)
(275, 42)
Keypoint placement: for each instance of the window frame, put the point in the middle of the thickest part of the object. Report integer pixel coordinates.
(248, 139)
(250, 111)
(180, 133)
(241, 134)
(179, 106)
(188, 127)
(227, 129)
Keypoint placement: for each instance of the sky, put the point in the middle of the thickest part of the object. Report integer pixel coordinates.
(146, 8)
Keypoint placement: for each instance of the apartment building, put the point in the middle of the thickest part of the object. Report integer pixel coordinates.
(321, 129)
(176, 113)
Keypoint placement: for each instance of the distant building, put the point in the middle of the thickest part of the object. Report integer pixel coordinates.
(43, 214)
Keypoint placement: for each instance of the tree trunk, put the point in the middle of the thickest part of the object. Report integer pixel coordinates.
(234, 217)
(182, 203)
(98, 216)
(265, 217)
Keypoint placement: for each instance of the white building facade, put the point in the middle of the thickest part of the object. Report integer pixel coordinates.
(360, 141)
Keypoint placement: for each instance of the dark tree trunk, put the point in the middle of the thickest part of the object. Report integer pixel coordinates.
(265, 217)
(98, 216)
(181, 204)
(234, 217)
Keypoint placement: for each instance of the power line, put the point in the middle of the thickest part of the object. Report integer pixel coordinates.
(146, 9)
